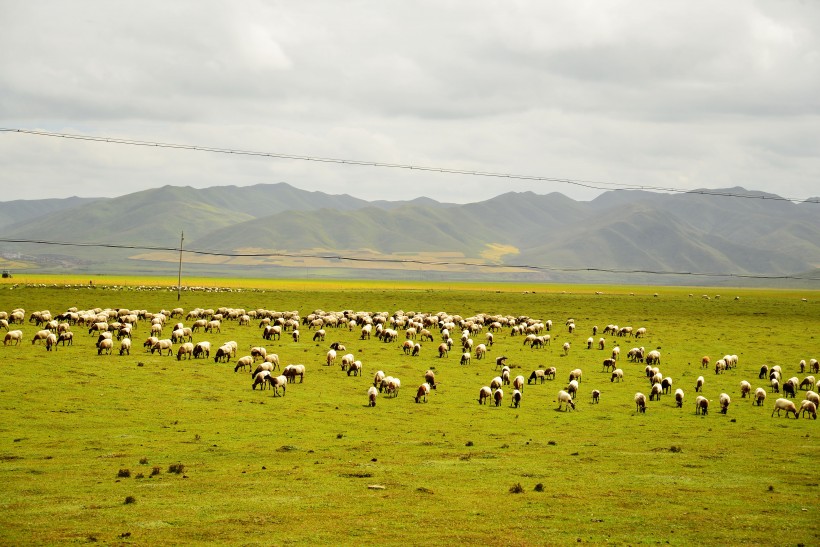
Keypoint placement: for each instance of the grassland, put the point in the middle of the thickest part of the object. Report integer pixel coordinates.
(260, 469)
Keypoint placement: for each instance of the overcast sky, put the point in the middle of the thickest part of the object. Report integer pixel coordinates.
(682, 94)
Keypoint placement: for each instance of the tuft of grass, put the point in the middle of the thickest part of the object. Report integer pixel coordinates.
(177, 468)
(155, 470)
(143, 460)
(130, 499)
(516, 489)
(539, 487)
(124, 473)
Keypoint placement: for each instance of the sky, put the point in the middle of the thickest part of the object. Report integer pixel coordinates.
(680, 94)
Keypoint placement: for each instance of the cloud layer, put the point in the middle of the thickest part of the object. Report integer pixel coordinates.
(675, 94)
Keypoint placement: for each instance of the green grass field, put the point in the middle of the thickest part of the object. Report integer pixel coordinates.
(88, 442)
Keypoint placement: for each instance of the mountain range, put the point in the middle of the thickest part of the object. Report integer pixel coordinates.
(277, 227)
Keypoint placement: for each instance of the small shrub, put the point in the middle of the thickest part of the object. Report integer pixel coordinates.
(139, 476)
(177, 468)
(155, 470)
(130, 499)
(539, 487)
(469, 443)
(124, 473)
(675, 449)
(143, 460)
(516, 489)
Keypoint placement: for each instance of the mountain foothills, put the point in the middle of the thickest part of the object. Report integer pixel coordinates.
(619, 230)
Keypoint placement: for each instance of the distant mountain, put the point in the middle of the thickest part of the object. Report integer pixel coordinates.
(699, 231)
(12, 212)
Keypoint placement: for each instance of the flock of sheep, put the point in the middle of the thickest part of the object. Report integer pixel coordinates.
(450, 330)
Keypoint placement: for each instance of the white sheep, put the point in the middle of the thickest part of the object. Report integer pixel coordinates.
(347, 360)
(105, 345)
(590, 341)
(392, 386)
(596, 396)
(810, 407)
(784, 404)
(640, 402)
(498, 395)
(572, 388)
(51, 341)
(745, 389)
(262, 378)
(242, 362)
(617, 374)
(277, 382)
(496, 383)
(550, 373)
(505, 376)
(377, 378)
(430, 378)
(536, 375)
(273, 359)
(262, 366)
(575, 374)
(372, 393)
(679, 398)
(258, 352)
(483, 394)
(480, 351)
(701, 405)
(292, 371)
(699, 384)
(443, 350)
(724, 402)
(465, 358)
(125, 346)
(807, 383)
(760, 396)
(655, 394)
(813, 397)
(330, 358)
(186, 349)
(422, 392)
(516, 399)
(566, 348)
(565, 399)
(518, 383)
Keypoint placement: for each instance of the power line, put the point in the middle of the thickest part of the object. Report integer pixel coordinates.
(595, 185)
(354, 259)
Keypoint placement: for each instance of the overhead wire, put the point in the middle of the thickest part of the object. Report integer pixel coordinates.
(594, 185)
(358, 259)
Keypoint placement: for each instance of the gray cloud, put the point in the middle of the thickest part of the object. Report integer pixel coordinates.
(679, 93)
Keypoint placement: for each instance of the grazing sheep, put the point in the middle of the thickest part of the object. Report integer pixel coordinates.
(764, 372)
(655, 394)
(609, 363)
(679, 398)
(416, 350)
(465, 358)
(790, 388)
(66, 337)
(277, 382)
(186, 349)
(572, 388)
(262, 366)
(745, 389)
(505, 376)
(480, 351)
(162, 345)
(372, 393)
(596, 396)
(813, 397)
(498, 395)
(295, 335)
(760, 396)
(213, 326)
(537, 374)
(242, 362)
(699, 384)
(273, 359)
(51, 341)
(550, 373)
(483, 394)
(814, 366)
(810, 407)
(262, 378)
(422, 392)
(105, 345)
(575, 374)
(518, 383)
(590, 341)
(516, 399)
(330, 358)
(701, 405)
(258, 352)
(499, 361)
(653, 357)
(704, 363)
(720, 366)
(496, 383)
(617, 374)
(807, 383)
(566, 348)
(640, 403)
(355, 368)
(666, 384)
(724, 402)
(319, 335)
(601, 343)
(377, 379)
(775, 385)
(443, 350)
(430, 379)
(223, 353)
(785, 404)
(292, 371)
(407, 346)
(616, 352)
(565, 399)
(391, 386)
(125, 346)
